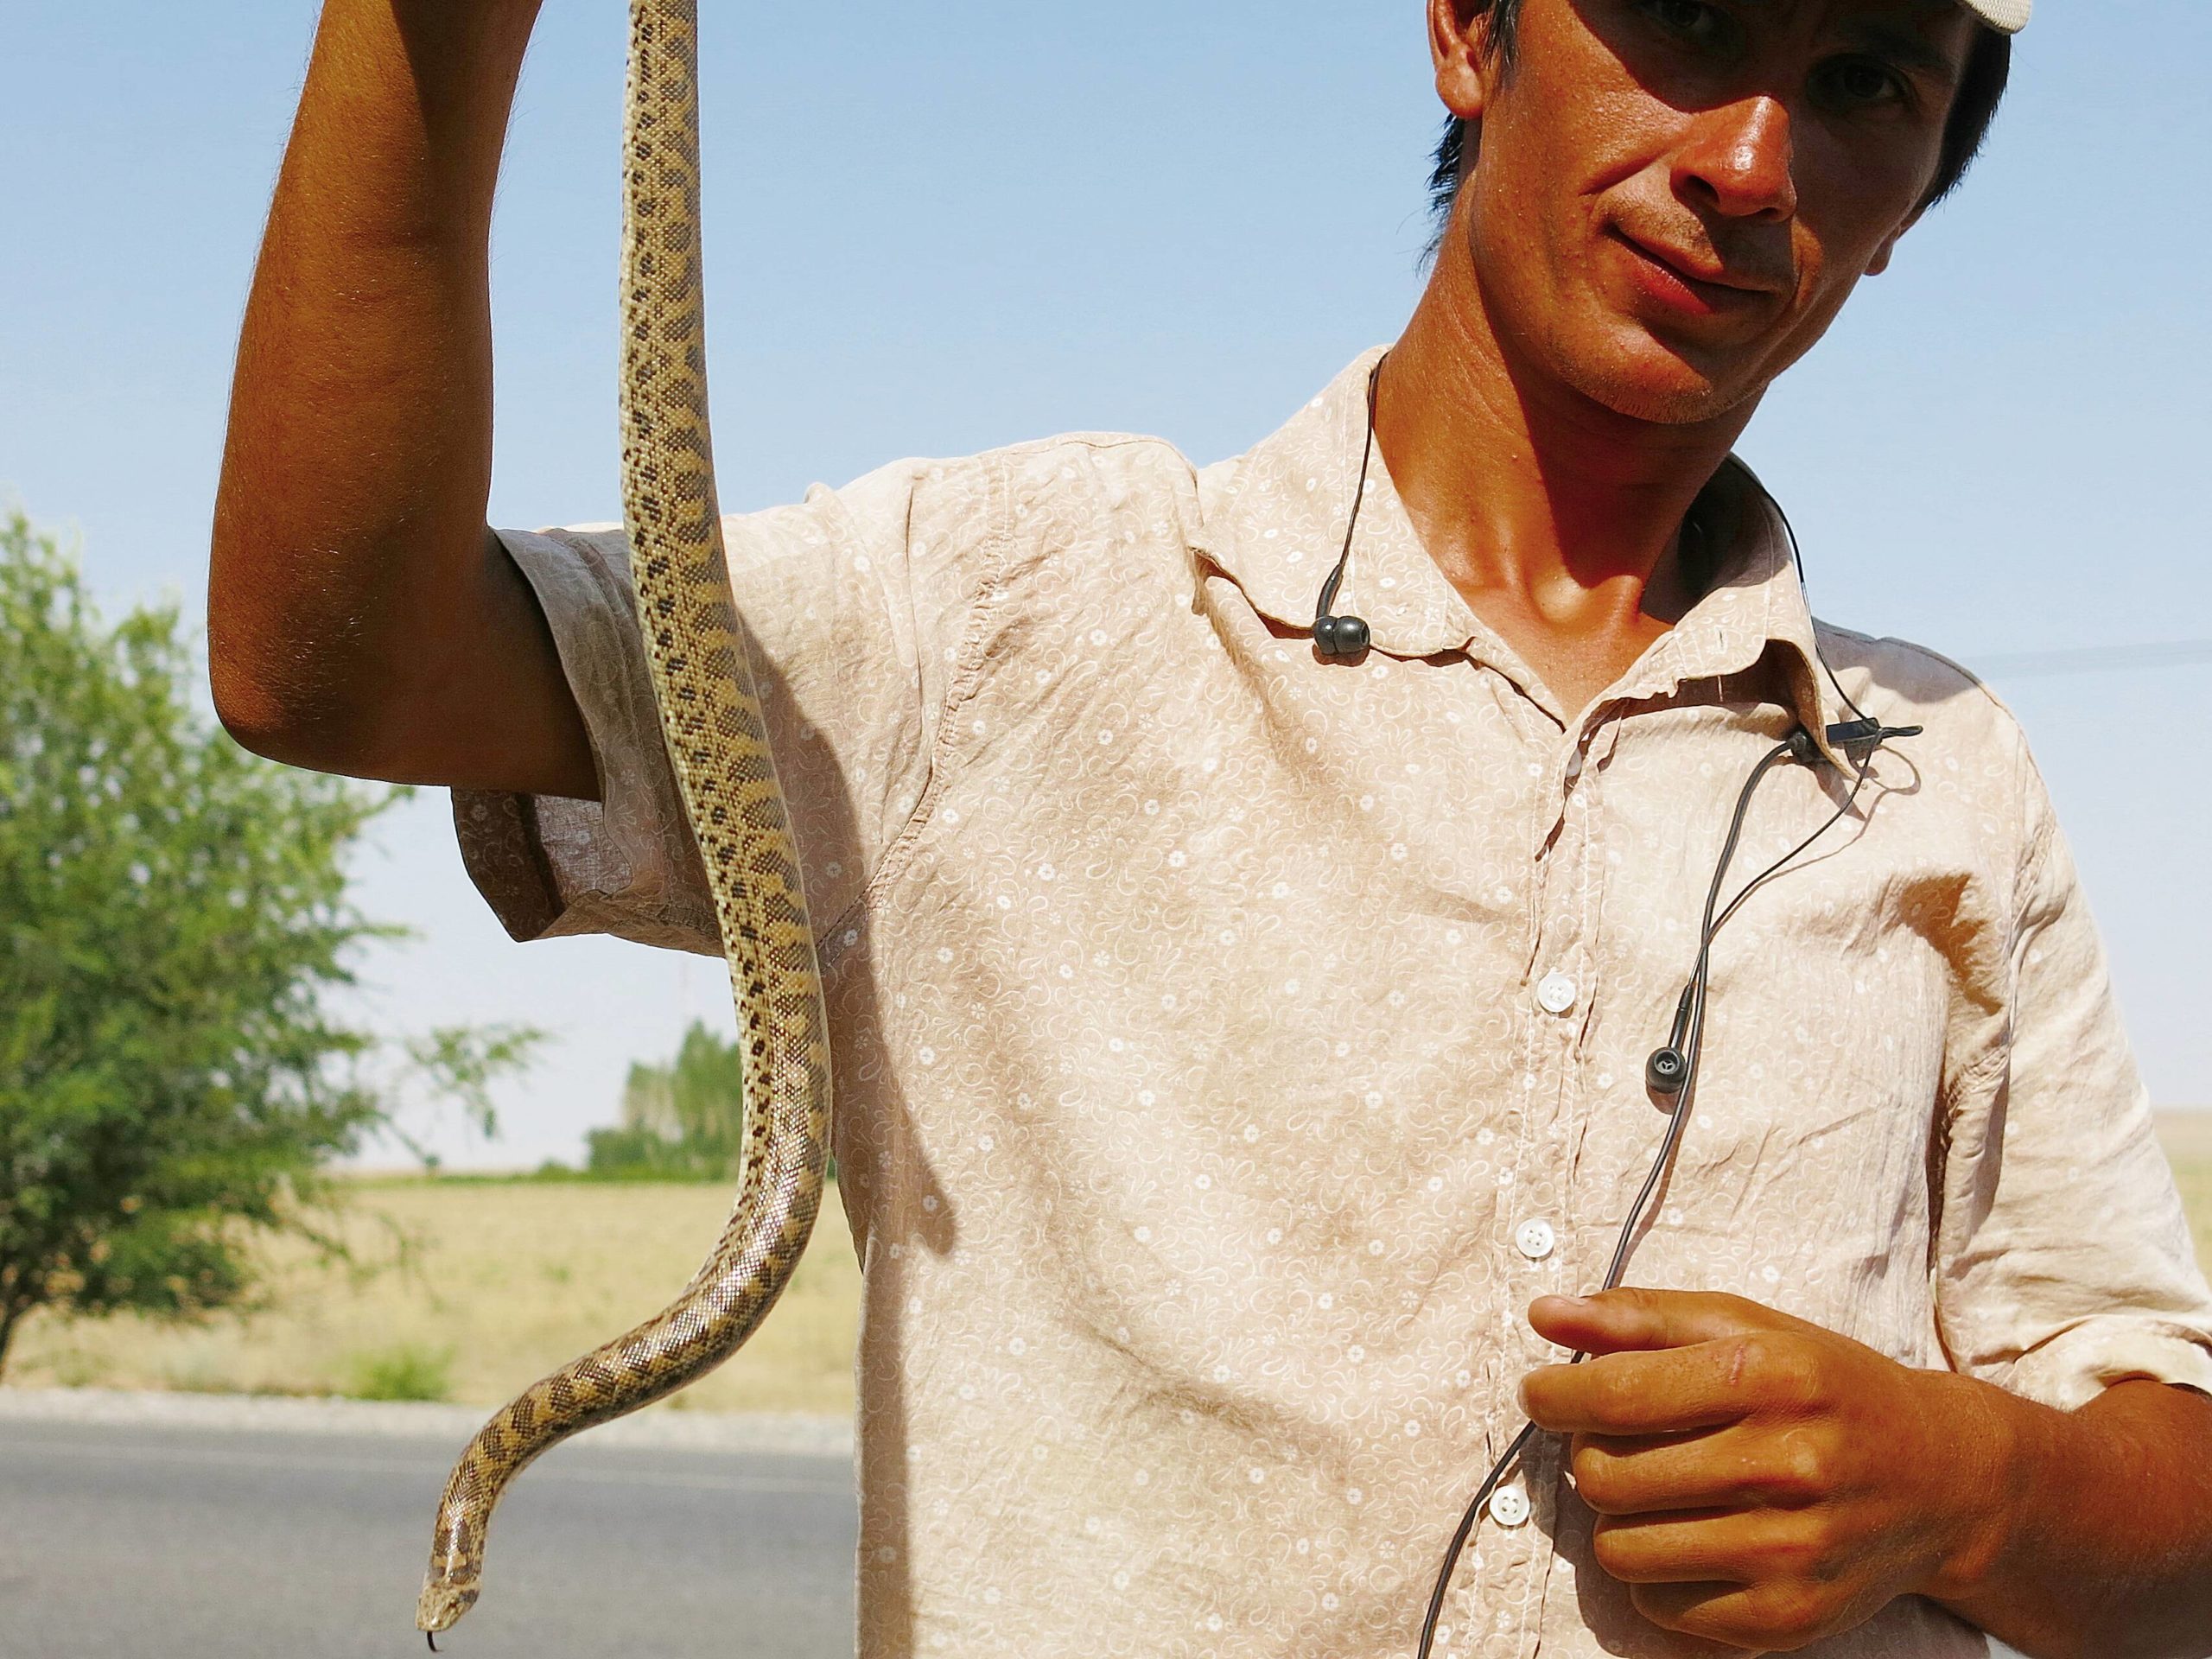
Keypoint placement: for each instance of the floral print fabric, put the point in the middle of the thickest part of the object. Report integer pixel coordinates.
(1230, 1045)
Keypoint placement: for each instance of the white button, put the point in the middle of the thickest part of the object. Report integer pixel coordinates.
(1509, 1506)
(1557, 993)
(1537, 1240)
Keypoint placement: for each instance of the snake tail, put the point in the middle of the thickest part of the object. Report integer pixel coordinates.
(717, 738)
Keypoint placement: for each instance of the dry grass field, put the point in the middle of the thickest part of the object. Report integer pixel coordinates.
(2187, 1136)
(503, 1282)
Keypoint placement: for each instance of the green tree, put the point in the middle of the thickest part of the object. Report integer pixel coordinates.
(683, 1120)
(173, 912)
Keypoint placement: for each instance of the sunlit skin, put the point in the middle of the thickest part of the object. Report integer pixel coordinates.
(1761, 1483)
(1675, 199)
(1670, 203)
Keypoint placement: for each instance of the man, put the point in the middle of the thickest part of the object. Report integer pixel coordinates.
(1238, 1045)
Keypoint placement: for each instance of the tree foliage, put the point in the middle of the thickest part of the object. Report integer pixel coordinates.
(681, 1121)
(173, 913)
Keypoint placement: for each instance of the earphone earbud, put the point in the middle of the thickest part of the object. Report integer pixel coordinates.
(1340, 636)
(1672, 1070)
(1668, 1070)
(1339, 639)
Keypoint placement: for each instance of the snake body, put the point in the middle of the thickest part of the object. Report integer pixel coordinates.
(718, 739)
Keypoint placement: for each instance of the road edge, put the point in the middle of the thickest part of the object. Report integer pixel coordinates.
(791, 1434)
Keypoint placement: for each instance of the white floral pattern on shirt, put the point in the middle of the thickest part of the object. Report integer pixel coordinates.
(1194, 1079)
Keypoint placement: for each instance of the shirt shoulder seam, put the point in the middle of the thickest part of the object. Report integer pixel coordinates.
(982, 609)
(1820, 625)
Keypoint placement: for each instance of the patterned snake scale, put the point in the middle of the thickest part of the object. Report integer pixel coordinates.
(711, 714)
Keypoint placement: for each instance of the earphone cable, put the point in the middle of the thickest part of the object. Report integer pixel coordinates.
(1466, 1530)
(1691, 1038)
(1797, 851)
(1709, 927)
(1804, 585)
(1359, 500)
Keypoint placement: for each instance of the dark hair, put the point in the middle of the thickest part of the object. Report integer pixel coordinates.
(1981, 89)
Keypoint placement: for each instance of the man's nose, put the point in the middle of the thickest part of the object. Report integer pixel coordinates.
(1740, 161)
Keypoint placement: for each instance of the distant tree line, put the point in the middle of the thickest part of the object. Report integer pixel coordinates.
(681, 1122)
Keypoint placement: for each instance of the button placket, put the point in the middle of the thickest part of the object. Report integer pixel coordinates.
(1508, 1563)
(1557, 992)
(1535, 1239)
(1560, 993)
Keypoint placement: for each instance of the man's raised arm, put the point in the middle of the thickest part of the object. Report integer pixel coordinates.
(361, 617)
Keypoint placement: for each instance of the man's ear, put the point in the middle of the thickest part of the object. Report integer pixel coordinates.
(1460, 43)
(1888, 251)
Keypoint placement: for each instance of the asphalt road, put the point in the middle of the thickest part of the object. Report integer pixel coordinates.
(163, 1543)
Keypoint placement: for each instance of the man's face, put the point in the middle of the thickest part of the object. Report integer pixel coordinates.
(1673, 199)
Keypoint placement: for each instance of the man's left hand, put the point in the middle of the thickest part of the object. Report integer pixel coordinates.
(1760, 1482)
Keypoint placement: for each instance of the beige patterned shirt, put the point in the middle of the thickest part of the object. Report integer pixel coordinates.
(1230, 1045)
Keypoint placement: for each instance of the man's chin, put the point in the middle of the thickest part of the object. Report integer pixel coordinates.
(1661, 387)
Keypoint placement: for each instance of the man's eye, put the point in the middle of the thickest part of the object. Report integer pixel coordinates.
(1693, 20)
(1862, 83)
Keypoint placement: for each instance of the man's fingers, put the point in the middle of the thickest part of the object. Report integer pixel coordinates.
(1778, 1618)
(1682, 1547)
(1618, 1475)
(1704, 1611)
(1674, 1391)
(1743, 1581)
(1616, 1321)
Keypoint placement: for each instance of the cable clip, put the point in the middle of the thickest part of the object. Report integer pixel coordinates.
(1860, 738)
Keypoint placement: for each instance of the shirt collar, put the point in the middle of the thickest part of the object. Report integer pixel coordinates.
(1273, 521)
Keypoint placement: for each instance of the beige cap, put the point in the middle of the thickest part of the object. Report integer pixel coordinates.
(2010, 16)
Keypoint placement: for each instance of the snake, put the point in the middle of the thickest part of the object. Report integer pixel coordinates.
(718, 742)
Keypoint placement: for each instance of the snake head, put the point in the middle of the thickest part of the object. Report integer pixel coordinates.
(442, 1605)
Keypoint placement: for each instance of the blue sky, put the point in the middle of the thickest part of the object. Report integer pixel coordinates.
(934, 229)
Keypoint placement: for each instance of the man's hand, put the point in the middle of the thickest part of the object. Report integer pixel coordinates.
(1760, 1482)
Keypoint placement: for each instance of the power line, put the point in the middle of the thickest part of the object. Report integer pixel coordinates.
(2093, 659)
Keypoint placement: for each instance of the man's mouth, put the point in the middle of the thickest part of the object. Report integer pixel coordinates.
(1691, 282)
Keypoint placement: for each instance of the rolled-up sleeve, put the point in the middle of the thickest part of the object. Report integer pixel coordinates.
(855, 605)
(2064, 1262)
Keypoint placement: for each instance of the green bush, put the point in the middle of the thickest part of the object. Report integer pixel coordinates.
(407, 1371)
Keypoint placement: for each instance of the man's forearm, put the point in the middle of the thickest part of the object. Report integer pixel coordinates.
(350, 572)
(2103, 1546)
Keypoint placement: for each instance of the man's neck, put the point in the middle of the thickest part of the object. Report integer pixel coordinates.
(1556, 518)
